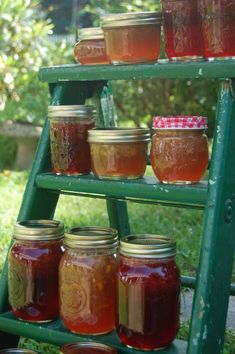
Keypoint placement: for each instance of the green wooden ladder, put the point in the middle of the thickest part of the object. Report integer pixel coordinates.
(73, 84)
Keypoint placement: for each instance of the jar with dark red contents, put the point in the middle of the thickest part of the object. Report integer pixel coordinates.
(69, 125)
(87, 348)
(182, 30)
(218, 24)
(33, 265)
(88, 280)
(149, 292)
(179, 150)
(90, 50)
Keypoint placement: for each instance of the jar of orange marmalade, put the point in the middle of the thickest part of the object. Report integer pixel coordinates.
(90, 50)
(132, 37)
(87, 348)
(87, 280)
(179, 151)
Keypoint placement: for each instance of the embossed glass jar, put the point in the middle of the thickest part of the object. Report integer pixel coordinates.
(87, 348)
(33, 265)
(87, 278)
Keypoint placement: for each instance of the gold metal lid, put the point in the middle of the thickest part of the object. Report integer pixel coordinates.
(91, 236)
(80, 346)
(147, 246)
(71, 111)
(90, 33)
(40, 230)
(17, 351)
(118, 135)
(131, 19)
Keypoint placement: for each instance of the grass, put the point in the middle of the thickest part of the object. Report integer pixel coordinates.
(184, 224)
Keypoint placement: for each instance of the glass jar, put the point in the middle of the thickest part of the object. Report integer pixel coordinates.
(87, 348)
(33, 264)
(70, 152)
(90, 50)
(132, 37)
(118, 153)
(88, 280)
(218, 24)
(17, 351)
(179, 150)
(149, 292)
(182, 30)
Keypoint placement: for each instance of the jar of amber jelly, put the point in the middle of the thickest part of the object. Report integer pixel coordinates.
(149, 292)
(119, 153)
(88, 280)
(33, 264)
(69, 125)
(182, 30)
(87, 348)
(218, 24)
(132, 37)
(90, 50)
(179, 150)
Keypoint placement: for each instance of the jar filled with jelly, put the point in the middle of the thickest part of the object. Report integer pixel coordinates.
(33, 264)
(132, 37)
(90, 50)
(119, 153)
(218, 24)
(87, 348)
(182, 30)
(69, 125)
(88, 280)
(149, 292)
(179, 150)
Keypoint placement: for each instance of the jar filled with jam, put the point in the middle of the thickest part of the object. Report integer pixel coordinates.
(149, 292)
(132, 37)
(88, 280)
(33, 264)
(87, 348)
(218, 24)
(119, 153)
(90, 50)
(182, 30)
(70, 152)
(179, 150)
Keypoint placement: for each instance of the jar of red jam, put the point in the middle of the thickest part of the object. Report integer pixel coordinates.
(182, 30)
(179, 150)
(87, 348)
(119, 153)
(149, 292)
(90, 50)
(70, 152)
(88, 281)
(33, 265)
(218, 24)
(132, 37)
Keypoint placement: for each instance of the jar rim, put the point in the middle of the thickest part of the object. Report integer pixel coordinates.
(180, 122)
(131, 19)
(17, 351)
(61, 111)
(81, 345)
(90, 33)
(38, 230)
(118, 135)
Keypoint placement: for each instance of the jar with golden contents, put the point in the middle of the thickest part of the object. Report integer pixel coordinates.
(88, 280)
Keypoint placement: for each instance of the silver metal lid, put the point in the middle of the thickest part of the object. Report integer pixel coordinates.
(40, 230)
(17, 351)
(91, 33)
(71, 111)
(91, 236)
(118, 135)
(131, 19)
(147, 246)
(65, 349)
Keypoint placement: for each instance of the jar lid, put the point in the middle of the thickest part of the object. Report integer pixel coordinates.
(118, 135)
(38, 230)
(91, 236)
(147, 246)
(91, 33)
(180, 122)
(71, 111)
(86, 347)
(131, 19)
(17, 351)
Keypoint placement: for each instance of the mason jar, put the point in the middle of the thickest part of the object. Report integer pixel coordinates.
(70, 152)
(179, 149)
(149, 292)
(17, 351)
(87, 348)
(33, 264)
(88, 280)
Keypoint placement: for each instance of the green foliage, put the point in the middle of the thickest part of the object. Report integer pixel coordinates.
(7, 152)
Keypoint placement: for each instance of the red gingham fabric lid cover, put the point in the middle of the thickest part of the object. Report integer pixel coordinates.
(179, 122)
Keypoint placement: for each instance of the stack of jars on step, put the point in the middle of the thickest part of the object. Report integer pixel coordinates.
(193, 30)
